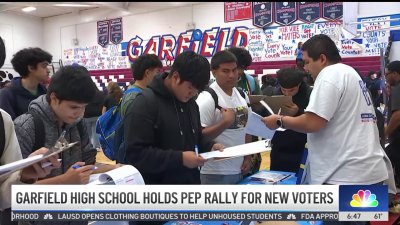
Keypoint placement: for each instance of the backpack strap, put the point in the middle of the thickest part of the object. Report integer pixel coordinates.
(241, 92)
(80, 128)
(251, 82)
(39, 131)
(214, 96)
(2, 135)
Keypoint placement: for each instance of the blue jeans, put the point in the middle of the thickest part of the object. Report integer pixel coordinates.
(220, 179)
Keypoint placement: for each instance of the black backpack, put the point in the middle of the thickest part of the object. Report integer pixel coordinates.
(39, 129)
(215, 96)
(2, 135)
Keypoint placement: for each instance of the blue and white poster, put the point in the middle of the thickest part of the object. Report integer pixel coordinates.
(285, 13)
(103, 32)
(332, 10)
(116, 30)
(309, 11)
(262, 14)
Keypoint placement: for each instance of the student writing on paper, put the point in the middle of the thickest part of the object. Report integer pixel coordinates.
(162, 126)
(343, 139)
(62, 108)
(10, 153)
(226, 122)
(288, 146)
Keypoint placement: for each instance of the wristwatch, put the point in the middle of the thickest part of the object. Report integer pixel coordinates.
(279, 122)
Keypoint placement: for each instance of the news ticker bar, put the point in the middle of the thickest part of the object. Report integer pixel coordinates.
(212, 216)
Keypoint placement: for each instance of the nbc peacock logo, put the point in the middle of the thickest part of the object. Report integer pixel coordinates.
(364, 199)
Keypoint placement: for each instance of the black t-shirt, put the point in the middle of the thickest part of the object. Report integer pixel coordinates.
(394, 106)
(109, 102)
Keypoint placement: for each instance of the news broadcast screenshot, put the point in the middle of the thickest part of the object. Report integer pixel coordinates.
(210, 203)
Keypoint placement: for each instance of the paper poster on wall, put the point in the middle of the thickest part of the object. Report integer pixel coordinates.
(309, 11)
(262, 14)
(332, 10)
(375, 34)
(235, 11)
(256, 44)
(103, 32)
(116, 32)
(285, 13)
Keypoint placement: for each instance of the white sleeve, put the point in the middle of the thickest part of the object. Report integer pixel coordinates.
(10, 154)
(324, 100)
(207, 108)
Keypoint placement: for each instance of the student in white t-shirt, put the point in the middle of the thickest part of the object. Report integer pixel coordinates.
(343, 139)
(225, 125)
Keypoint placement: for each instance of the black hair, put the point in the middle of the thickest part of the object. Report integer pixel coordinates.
(144, 62)
(394, 66)
(243, 56)
(193, 68)
(289, 77)
(72, 83)
(222, 57)
(2, 52)
(371, 72)
(29, 57)
(271, 81)
(322, 44)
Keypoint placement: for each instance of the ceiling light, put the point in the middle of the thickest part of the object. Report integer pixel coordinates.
(29, 9)
(72, 5)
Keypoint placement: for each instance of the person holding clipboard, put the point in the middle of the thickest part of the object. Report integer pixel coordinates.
(288, 146)
(340, 122)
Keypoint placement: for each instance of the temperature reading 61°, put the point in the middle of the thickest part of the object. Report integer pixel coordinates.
(378, 216)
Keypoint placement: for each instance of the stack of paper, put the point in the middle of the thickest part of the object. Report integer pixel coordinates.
(239, 150)
(9, 168)
(269, 177)
(124, 175)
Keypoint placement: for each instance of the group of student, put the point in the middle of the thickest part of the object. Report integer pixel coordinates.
(176, 112)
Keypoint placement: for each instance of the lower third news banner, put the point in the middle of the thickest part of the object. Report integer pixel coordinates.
(200, 203)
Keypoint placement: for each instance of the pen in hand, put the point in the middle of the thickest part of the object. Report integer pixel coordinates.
(196, 149)
(279, 111)
(78, 166)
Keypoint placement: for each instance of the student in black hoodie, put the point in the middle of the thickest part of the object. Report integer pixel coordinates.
(288, 146)
(32, 64)
(162, 126)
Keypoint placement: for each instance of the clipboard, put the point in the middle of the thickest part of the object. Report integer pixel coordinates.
(277, 102)
(20, 164)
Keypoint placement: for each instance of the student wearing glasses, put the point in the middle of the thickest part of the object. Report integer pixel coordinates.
(32, 65)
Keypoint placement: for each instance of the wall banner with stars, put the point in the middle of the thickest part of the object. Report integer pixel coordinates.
(103, 32)
(262, 14)
(285, 13)
(116, 31)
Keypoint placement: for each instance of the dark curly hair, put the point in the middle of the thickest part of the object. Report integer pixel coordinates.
(243, 56)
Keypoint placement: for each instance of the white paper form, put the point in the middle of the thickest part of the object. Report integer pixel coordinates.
(239, 150)
(256, 127)
(124, 175)
(5, 170)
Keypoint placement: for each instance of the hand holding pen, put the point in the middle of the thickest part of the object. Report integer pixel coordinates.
(196, 150)
(191, 159)
(79, 173)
